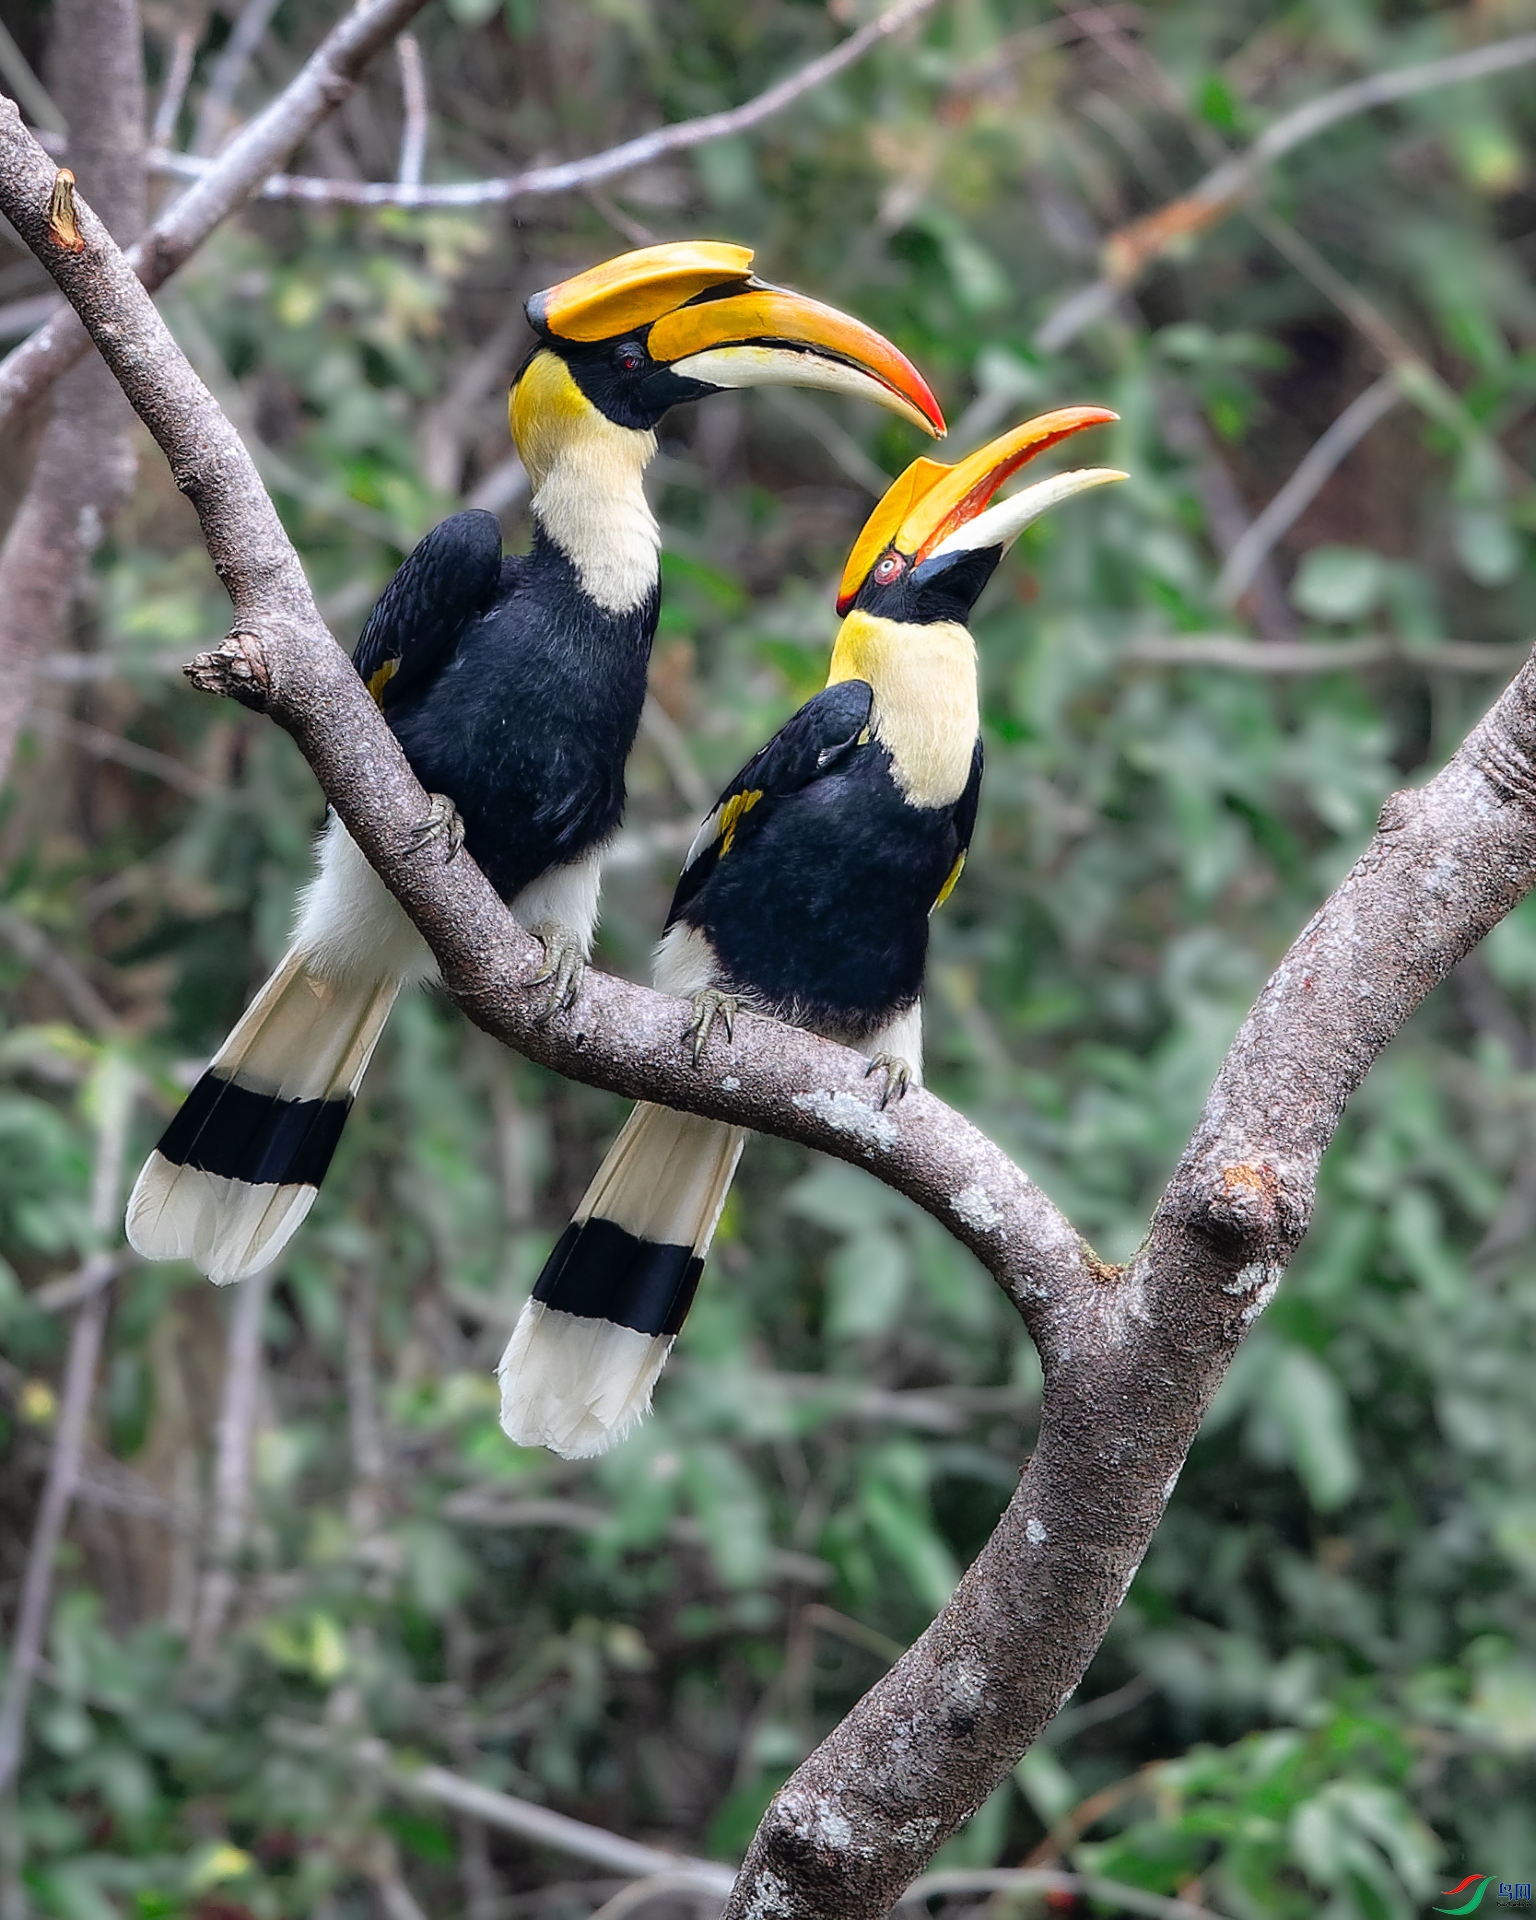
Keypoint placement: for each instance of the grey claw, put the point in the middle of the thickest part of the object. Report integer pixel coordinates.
(898, 1077)
(708, 1006)
(442, 822)
(565, 965)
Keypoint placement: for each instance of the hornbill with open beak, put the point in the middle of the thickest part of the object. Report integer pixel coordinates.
(515, 687)
(806, 896)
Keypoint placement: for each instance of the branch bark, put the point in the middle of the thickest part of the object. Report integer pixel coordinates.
(1131, 1356)
(320, 86)
(566, 176)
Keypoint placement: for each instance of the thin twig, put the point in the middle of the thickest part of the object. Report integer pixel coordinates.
(567, 176)
(177, 74)
(30, 92)
(52, 1518)
(1240, 655)
(114, 1105)
(1074, 1886)
(101, 744)
(228, 71)
(74, 1289)
(540, 1825)
(318, 88)
(236, 1435)
(1304, 485)
(1130, 252)
(71, 985)
(413, 93)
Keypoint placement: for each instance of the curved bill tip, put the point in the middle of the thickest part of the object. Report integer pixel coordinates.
(768, 336)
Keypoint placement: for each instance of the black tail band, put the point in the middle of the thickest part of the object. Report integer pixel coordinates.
(225, 1128)
(599, 1272)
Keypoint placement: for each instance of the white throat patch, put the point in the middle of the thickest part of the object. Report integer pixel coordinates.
(588, 484)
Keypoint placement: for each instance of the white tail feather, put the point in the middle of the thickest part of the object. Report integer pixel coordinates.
(304, 1037)
(577, 1383)
(665, 1177)
(574, 1385)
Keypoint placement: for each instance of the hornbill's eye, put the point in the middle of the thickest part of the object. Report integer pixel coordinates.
(629, 356)
(888, 568)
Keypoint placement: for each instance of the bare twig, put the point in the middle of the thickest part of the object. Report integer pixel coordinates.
(74, 1289)
(214, 115)
(1137, 1350)
(1131, 251)
(536, 1824)
(236, 1438)
(71, 985)
(567, 176)
(1240, 655)
(319, 87)
(114, 1107)
(101, 744)
(52, 1518)
(30, 92)
(413, 94)
(177, 74)
(1291, 502)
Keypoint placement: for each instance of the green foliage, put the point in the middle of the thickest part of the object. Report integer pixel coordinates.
(1320, 1695)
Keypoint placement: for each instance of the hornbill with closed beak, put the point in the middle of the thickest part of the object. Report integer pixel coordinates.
(515, 687)
(805, 896)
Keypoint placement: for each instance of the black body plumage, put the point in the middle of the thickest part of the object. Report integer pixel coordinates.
(515, 694)
(815, 898)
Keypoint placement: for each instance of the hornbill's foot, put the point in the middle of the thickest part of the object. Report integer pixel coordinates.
(442, 822)
(565, 968)
(709, 1006)
(898, 1075)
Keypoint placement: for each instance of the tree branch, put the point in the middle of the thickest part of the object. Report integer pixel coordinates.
(1128, 253)
(1131, 1356)
(565, 176)
(318, 88)
(1334, 445)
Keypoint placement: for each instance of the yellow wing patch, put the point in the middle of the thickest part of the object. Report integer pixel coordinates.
(380, 678)
(731, 813)
(949, 885)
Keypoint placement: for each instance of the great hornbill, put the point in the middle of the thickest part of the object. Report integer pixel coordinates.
(515, 687)
(806, 896)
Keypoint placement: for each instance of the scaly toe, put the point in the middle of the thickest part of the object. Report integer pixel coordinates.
(565, 968)
(708, 1006)
(898, 1076)
(443, 822)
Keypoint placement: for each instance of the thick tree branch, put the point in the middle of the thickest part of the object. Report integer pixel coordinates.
(319, 87)
(566, 176)
(1131, 1356)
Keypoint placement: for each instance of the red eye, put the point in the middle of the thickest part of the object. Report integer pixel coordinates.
(629, 359)
(888, 568)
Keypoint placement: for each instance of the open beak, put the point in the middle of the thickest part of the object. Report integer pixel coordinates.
(932, 511)
(769, 337)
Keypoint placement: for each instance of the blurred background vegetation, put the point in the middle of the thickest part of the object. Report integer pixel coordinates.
(1320, 1695)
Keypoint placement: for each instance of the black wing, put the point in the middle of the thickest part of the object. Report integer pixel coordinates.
(447, 579)
(807, 746)
(965, 825)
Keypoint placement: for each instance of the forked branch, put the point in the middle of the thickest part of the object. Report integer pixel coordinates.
(1131, 1356)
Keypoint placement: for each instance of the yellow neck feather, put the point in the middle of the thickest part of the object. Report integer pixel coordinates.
(587, 477)
(925, 710)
